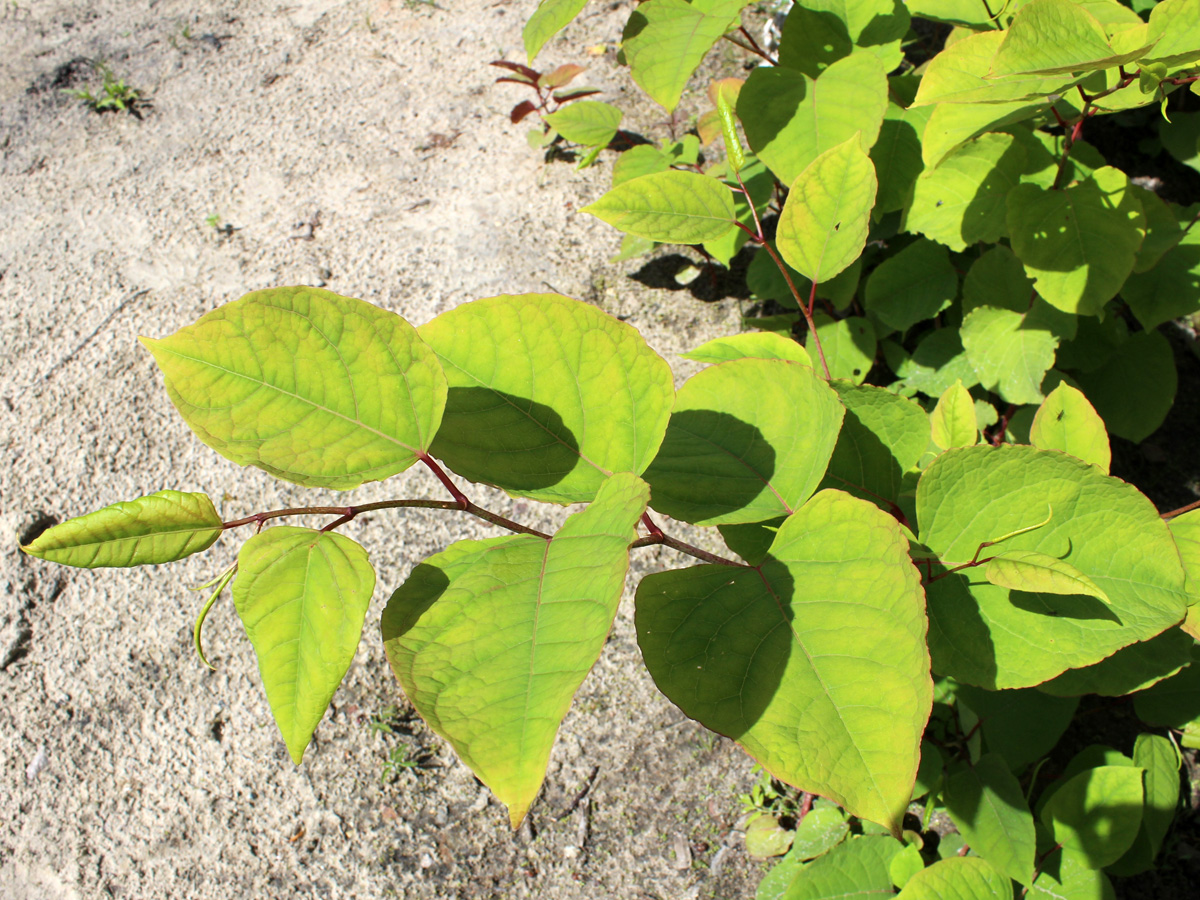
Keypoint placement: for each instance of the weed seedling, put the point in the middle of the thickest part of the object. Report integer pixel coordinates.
(114, 95)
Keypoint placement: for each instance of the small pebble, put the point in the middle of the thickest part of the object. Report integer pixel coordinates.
(40, 759)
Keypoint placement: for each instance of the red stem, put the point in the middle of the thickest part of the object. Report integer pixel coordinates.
(458, 495)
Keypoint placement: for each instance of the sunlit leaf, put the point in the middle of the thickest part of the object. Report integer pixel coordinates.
(672, 207)
(312, 387)
(547, 20)
(988, 806)
(588, 122)
(748, 441)
(960, 877)
(1067, 422)
(548, 396)
(995, 637)
(834, 616)
(302, 596)
(491, 639)
(160, 528)
(826, 216)
(952, 422)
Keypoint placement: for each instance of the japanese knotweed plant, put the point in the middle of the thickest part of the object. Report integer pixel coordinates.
(1001, 249)
(810, 641)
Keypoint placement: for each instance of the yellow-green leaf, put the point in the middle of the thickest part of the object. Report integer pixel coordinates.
(302, 596)
(825, 219)
(160, 528)
(1028, 570)
(315, 388)
(491, 639)
(1066, 421)
(671, 207)
(953, 422)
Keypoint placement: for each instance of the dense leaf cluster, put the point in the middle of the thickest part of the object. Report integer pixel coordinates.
(918, 585)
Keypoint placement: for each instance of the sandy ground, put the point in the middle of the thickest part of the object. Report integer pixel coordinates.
(359, 144)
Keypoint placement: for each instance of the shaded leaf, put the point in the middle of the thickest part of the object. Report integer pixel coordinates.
(1097, 813)
(1135, 387)
(1021, 725)
(915, 284)
(988, 806)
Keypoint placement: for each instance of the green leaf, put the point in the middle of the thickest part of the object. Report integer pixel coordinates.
(635, 162)
(789, 119)
(1173, 703)
(547, 20)
(1171, 289)
(1066, 875)
(905, 865)
(753, 345)
(302, 596)
(1097, 813)
(882, 437)
(962, 201)
(1057, 36)
(812, 39)
(854, 870)
(1130, 669)
(1067, 422)
(1021, 725)
(1175, 33)
(760, 184)
(962, 878)
(733, 145)
(748, 441)
(671, 207)
(666, 40)
(989, 808)
(997, 279)
(833, 616)
(1134, 389)
(825, 219)
(160, 528)
(1010, 351)
(952, 422)
(765, 838)
(548, 396)
(1078, 244)
(1160, 758)
(897, 156)
(318, 389)
(912, 286)
(970, 13)
(991, 636)
(951, 125)
(937, 363)
(848, 344)
(961, 73)
(587, 122)
(1186, 531)
(819, 832)
(1033, 572)
(491, 639)
(1181, 138)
